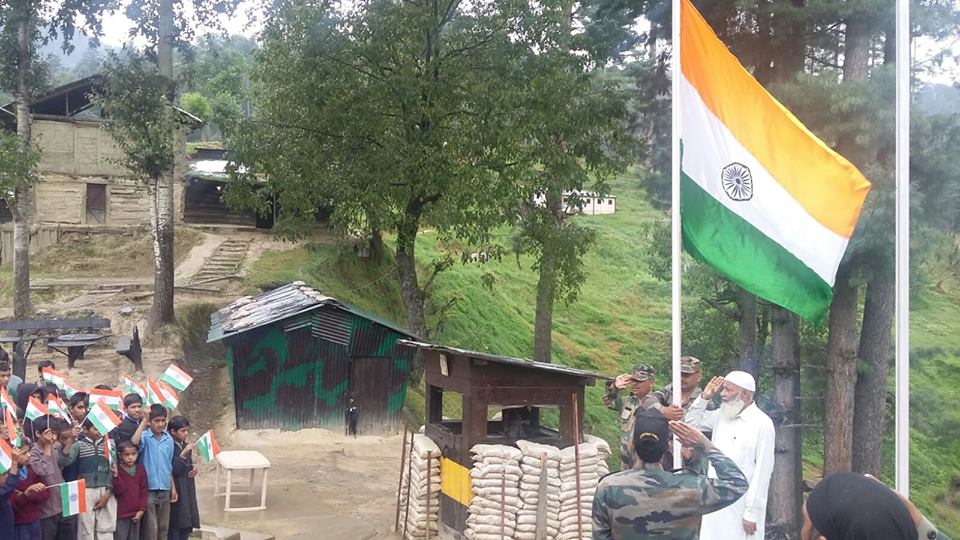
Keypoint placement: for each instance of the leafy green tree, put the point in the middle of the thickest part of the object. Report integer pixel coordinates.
(196, 104)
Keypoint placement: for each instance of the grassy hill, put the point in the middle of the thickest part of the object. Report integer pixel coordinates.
(623, 317)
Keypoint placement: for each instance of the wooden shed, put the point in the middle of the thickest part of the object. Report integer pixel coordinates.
(481, 384)
(295, 356)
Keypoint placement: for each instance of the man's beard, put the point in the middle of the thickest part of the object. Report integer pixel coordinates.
(730, 409)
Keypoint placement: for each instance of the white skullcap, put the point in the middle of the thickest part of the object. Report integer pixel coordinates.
(742, 379)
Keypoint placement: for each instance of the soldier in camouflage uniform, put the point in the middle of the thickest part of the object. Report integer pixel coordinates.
(640, 381)
(690, 377)
(649, 503)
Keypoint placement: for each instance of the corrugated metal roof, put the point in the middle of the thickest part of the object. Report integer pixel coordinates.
(531, 364)
(292, 299)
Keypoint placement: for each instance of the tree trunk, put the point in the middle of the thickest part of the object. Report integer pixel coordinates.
(841, 377)
(871, 389)
(543, 322)
(856, 48)
(785, 485)
(747, 324)
(791, 43)
(410, 292)
(163, 235)
(22, 307)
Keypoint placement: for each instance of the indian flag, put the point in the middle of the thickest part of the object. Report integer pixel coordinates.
(6, 402)
(103, 418)
(55, 407)
(35, 409)
(70, 389)
(169, 396)
(109, 451)
(176, 377)
(133, 387)
(763, 200)
(54, 376)
(207, 446)
(154, 393)
(112, 398)
(6, 456)
(11, 424)
(73, 497)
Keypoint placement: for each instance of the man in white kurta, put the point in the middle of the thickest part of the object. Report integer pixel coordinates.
(746, 434)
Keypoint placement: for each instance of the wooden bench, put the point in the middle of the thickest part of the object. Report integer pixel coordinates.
(76, 345)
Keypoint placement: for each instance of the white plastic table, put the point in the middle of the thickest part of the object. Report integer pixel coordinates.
(240, 460)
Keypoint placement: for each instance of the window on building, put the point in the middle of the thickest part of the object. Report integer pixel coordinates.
(609, 201)
(96, 204)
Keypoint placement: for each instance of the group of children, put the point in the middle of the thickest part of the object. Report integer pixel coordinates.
(149, 493)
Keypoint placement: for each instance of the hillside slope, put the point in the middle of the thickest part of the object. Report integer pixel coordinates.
(623, 317)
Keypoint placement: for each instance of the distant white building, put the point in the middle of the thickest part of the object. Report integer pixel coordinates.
(585, 202)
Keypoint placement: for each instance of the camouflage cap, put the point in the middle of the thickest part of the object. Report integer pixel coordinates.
(689, 364)
(642, 372)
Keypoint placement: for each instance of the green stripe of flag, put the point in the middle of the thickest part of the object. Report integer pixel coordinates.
(736, 249)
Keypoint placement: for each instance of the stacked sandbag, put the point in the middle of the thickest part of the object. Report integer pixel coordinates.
(495, 482)
(538, 461)
(576, 514)
(421, 470)
(603, 449)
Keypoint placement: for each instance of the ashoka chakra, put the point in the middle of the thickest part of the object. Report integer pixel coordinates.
(737, 181)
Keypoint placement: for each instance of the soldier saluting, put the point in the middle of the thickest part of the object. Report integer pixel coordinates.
(640, 381)
(649, 503)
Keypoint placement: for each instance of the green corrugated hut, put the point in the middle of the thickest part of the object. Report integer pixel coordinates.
(295, 356)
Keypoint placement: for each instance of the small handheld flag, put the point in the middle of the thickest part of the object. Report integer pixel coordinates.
(176, 377)
(55, 407)
(207, 446)
(6, 456)
(131, 386)
(154, 393)
(35, 409)
(103, 418)
(53, 376)
(109, 451)
(169, 395)
(112, 398)
(73, 497)
(6, 402)
(12, 432)
(70, 389)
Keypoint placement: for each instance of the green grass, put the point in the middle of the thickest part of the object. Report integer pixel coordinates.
(623, 317)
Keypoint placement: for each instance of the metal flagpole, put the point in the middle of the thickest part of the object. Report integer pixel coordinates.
(675, 212)
(903, 249)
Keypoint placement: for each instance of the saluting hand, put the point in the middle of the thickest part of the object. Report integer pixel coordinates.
(622, 381)
(688, 435)
(711, 388)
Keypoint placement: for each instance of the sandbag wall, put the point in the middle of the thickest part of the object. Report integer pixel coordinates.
(508, 484)
(420, 482)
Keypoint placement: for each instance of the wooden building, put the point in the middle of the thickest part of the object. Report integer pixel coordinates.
(481, 383)
(295, 357)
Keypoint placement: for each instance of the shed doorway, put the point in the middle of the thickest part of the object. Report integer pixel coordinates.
(96, 204)
(370, 390)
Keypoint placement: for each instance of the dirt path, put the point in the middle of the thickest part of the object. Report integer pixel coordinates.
(321, 485)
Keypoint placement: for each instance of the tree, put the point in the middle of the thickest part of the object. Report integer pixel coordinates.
(24, 23)
(394, 115)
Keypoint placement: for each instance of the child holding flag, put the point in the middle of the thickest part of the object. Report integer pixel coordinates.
(130, 489)
(27, 500)
(10, 459)
(100, 520)
(184, 513)
(43, 460)
(156, 447)
(132, 411)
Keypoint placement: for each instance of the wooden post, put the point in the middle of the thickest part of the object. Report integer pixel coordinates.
(429, 481)
(576, 463)
(406, 514)
(541, 533)
(403, 455)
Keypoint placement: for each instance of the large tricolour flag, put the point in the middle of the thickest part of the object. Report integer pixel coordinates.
(763, 200)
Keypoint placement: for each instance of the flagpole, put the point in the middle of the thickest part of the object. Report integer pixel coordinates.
(675, 236)
(903, 249)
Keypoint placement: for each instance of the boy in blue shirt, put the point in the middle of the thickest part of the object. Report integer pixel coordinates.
(156, 455)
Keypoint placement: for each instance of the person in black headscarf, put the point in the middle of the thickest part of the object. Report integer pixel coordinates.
(851, 506)
(23, 396)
